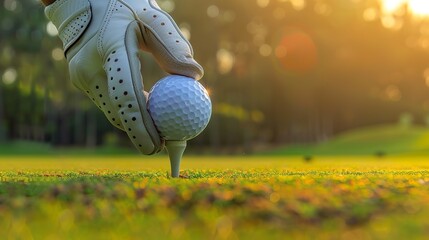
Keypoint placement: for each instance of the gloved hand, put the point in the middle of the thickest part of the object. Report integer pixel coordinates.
(101, 40)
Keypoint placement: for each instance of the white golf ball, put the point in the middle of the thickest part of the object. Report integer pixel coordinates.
(180, 107)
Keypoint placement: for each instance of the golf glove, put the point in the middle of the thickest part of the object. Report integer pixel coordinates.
(101, 41)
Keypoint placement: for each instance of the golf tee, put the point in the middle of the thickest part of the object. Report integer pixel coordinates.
(175, 151)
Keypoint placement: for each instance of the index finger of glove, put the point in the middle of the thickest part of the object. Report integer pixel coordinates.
(161, 36)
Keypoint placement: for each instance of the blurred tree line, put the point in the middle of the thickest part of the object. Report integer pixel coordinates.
(278, 72)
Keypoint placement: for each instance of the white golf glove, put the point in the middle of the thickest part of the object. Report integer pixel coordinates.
(101, 40)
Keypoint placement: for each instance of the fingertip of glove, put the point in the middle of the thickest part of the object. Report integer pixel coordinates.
(196, 71)
(200, 72)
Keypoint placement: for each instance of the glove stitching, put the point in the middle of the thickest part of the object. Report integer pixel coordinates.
(158, 37)
(174, 25)
(70, 26)
(164, 14)
(73, 37)
(178, 62)
(129, 7)
(123, 103)
(55, 7)
(155, 138)
(106, 22)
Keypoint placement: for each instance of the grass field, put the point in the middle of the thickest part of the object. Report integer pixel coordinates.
(386, 139)
(221, 198)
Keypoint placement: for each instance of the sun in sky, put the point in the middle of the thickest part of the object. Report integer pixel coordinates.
(417, 7)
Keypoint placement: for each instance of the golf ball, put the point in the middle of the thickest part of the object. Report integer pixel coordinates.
(180, 107)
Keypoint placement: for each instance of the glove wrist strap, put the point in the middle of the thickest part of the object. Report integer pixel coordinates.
(71, 17)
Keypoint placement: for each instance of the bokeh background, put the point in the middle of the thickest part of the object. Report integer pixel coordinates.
(285, 77)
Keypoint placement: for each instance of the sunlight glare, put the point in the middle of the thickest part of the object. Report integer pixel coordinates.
(51, 29)
(298, 5)
(263, 3)
(392, 5)
(370, 14)
(213, 11)
(417, 7)
(225, 61)
(9, 76)
(265, 50)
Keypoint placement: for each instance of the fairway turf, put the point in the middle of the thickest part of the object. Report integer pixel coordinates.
(221, 198)
(392, 139)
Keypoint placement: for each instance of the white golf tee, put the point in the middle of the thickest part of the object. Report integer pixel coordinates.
(175, 151)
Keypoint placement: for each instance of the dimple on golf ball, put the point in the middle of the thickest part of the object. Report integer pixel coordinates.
(180, 107)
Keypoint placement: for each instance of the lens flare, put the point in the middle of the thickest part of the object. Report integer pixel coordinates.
(297, 52)
(417, 7)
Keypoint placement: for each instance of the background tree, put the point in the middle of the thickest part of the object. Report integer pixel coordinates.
(278, 72)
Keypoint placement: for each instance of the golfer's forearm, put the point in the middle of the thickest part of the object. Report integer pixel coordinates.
(47, 2)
